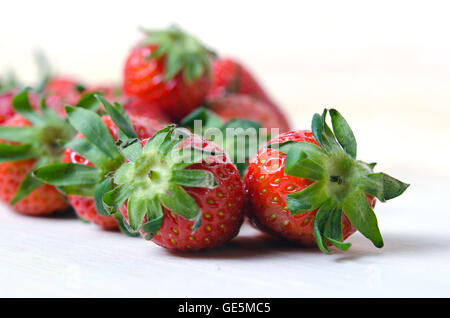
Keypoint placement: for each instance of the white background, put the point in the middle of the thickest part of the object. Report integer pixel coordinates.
(385, 65)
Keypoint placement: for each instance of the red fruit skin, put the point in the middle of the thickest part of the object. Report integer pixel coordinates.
(230, 77)
(221, 207)
(85, 206)
(143, 78)
(139, 107)
(239, 106)
(44, 200)
(6, 110)
(266, 187)
(61, 92)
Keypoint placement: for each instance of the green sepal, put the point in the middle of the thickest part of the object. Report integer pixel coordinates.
(178, 201)
(357, 209)
(328, 226)
(159, 137)
(182, 52)
(320, 221)
(197, 223)
(91, 152)
(124, 174)
(333, 230)
(124, 227)
(118, 116)
(17, 152)
(194, 178)
(307, 199)
(100, 191)
(116, 197)
(22, 106)
(137, 209)
(26, 134)
(343, 133)
(206, 117)
(383, 186)
(89, 101)
(85, 190)
(240, 141)
(175, 138)
(155, 217)
(92, 127)
(29, 183)
(130, 148)
(299, 164)
(186, 156)
(68, 174)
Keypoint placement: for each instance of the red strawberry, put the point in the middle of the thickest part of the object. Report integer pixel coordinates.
(139, 107)
(29, 143)
(180, 191)
(247, 107)
(231, 77)
(84, 205)
(169, 69)
(299, 185)
(220, 206)
(6, 110)
(63, 91)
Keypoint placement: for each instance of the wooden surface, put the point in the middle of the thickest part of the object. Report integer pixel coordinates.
(63, 257)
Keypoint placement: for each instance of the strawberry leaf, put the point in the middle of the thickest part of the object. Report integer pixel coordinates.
(92, 127)
(22, 106)
(137, 209)
(118, 116)
(17, 152)
(307, 199)
(91, 152)
(357, 208)
(68, 174)
(343, 133)
(19, 134)
(178, 201)
(194, 178)
(155, 218)
(100, 191)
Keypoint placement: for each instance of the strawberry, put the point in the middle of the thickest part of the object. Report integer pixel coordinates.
(85, 205)
(62, 91)
(307, 187)
(6, 109)
(30, 141)
(139, 107)
(170, 70)
(239, 106)
(231, 77)
(176, 189)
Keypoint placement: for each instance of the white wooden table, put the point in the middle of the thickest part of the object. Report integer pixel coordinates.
(63, 257)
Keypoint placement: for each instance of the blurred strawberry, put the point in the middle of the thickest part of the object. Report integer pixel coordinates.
(171, 70)
(238, 106)
(230, 77)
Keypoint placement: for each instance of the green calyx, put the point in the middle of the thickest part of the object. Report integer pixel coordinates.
(39, 141)
(146, 177)
(341, 183)
(182, 53)
(240, 138)
(155, 176)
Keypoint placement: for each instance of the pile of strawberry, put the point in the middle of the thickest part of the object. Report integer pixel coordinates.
(141, 169)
